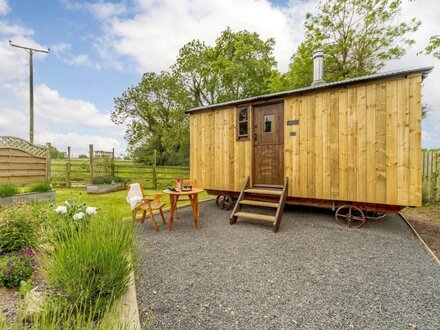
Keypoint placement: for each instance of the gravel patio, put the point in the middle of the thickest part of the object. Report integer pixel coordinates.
(312, 274)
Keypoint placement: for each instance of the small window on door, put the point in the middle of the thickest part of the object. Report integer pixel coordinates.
(243, 123)
(268, 123)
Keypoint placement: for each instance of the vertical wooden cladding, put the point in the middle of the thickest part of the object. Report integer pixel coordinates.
(217, 160)
(356, 143)
(360, 143)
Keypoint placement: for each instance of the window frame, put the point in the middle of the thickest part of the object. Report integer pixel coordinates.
(245, 137)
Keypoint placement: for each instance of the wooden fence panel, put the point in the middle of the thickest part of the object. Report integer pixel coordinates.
(21, 162)
(431, 175)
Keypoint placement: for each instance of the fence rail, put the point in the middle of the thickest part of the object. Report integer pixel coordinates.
(431, 175)
(80, 173)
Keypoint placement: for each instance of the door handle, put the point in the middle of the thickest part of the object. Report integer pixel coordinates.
(255, 136)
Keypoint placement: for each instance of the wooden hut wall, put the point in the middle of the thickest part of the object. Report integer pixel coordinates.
(360, 143)
(217, 160)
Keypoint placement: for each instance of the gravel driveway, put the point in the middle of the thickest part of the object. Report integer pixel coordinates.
(312, 274)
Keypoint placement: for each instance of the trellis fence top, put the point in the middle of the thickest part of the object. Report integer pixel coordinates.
(20, 144)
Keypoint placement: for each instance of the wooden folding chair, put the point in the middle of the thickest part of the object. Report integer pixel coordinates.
(149, 204)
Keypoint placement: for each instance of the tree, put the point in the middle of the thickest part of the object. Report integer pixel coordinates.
(154, 111)
(357, 36)
(56, 154)
(83, 156)
(239, 65)
(433, 47)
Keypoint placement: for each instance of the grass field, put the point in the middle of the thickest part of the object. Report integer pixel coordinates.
(128, 170)
(112, 202)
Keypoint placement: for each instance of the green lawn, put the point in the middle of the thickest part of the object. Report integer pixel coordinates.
(112, 202)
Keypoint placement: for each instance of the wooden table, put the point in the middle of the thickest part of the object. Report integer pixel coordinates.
(193, 196)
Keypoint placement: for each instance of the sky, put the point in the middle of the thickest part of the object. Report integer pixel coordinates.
(100, 48)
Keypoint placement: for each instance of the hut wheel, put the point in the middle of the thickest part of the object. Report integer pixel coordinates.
(219, 201)
(224, 202)
(350, 215)
(228, 202)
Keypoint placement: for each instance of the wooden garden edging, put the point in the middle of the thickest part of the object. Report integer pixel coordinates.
(427, 248)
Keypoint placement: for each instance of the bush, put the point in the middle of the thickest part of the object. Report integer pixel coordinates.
(8, 189)
(91, 269)
(16, 267)
(107, 179)
(18, 227)
(40, 187)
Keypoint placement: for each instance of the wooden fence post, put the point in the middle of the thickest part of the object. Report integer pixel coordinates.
(68, 185)
(154, 170)
(113, 162)
(48, 162)
(92, 169)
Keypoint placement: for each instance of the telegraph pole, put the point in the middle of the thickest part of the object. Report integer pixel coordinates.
(31, 51)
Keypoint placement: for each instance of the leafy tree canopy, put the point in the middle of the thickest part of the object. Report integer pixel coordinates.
(239, 65)
(358, 37)
(154, 113)
(433, 47)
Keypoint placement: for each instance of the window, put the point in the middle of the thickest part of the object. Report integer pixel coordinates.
(268, 123)
(243, 123)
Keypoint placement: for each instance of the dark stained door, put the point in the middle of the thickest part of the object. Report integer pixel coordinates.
(268, 136)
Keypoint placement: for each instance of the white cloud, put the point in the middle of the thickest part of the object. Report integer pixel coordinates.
(158, 29)
(79, 143)
(101, 9)
(4, 8)
(60, 120)
(14, 30)
(63, 52)
(59, 110)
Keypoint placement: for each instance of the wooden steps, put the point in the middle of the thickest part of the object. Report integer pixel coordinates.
(258, 203)
(262, 193)
(256, 216)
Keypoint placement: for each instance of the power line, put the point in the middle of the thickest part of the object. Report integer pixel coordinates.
(31, 51)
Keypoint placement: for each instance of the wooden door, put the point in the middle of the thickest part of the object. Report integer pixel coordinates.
(268, 137)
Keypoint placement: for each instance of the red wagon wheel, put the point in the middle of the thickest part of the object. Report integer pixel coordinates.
(350, 215)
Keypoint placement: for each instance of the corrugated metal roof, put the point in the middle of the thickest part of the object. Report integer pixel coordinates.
(423, 70)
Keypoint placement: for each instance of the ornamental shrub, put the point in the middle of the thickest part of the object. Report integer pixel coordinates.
(18, 227)
(40, 187)
(8, 189)
(16, 267)
(91, 269)
(107, 179)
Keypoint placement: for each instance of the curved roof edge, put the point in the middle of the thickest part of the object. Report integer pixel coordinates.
(423, 70)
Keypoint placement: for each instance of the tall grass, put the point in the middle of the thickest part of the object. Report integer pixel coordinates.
(8, 189)
(39, 187)
(90, 270)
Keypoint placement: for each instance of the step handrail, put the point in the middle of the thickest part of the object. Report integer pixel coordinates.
(280, 209)
(233, 218)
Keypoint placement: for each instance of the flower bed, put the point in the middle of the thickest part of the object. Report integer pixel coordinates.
(105, 184)
(105, 188)
(29, 197)
(82, 254)
(10, 193)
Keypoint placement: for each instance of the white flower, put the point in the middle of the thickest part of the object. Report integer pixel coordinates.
(61, 209)
(78, 216)
(91, 210)
(66, 202)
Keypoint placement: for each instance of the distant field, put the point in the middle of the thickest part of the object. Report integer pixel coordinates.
(80, 172)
